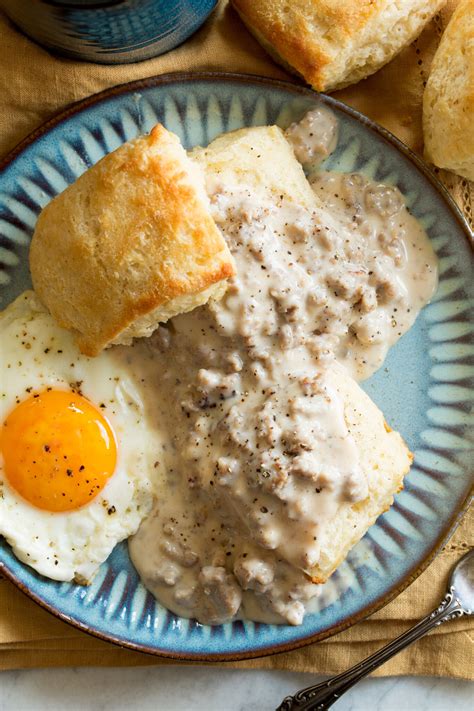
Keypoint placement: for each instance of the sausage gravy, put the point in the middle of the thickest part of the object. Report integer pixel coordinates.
(256, 455)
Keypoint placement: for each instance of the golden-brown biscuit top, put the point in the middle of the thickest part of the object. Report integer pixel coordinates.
(131, 235)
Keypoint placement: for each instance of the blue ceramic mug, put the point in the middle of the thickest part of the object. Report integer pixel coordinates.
(109, 31)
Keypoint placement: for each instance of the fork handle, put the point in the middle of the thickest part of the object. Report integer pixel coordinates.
(323, 695)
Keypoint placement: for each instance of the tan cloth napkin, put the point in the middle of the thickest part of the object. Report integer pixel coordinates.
(35, 85)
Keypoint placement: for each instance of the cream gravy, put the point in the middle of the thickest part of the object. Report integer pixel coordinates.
(314, 137)
(256, 455)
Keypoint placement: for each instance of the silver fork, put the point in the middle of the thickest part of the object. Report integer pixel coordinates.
(458, 601)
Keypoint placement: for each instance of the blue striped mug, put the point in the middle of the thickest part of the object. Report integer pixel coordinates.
(109, 31)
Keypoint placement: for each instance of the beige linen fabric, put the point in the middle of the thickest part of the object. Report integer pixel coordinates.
(35, 85)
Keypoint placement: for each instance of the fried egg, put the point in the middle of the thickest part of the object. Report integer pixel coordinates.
(77, 445)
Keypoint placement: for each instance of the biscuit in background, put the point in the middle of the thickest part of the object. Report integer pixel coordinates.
(448, 101)
(334, 43)
(131, 243)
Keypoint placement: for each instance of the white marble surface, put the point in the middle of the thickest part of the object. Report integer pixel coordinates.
(210, 689)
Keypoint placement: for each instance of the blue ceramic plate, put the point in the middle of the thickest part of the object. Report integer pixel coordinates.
(423, 389)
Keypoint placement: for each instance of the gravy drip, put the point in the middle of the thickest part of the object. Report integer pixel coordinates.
(256, 456)
(382, 271)
(314, 137)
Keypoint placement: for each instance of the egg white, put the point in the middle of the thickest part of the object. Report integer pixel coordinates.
(36, 354)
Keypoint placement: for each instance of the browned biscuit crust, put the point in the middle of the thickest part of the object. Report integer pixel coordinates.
(132, 237)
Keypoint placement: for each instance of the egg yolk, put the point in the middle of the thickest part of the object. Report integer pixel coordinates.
(58, 450)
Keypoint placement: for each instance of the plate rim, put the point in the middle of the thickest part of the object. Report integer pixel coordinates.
(418, 568)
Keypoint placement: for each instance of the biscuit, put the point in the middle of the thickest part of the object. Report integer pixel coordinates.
(129, 244)
(334, 43)
(448, 101)
(242, 158)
